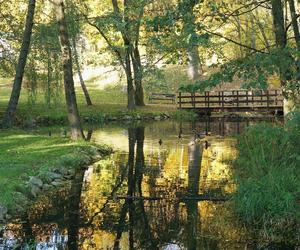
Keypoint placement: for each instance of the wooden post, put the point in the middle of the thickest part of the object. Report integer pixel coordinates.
(237, 98)
(261, 97)
(179, 100)
(208, 98)
(267, 99)
(247, 98)
(276, 97)
(222, 101)
(194, 103)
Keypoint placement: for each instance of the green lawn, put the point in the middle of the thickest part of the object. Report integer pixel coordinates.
(24, 154)
(108, 101)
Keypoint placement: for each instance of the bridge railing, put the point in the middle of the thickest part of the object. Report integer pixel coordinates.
(270, 98)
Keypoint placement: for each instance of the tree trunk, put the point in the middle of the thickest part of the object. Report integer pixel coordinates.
(74, 209)
(128, 53)
(73, 114)
(49, 79)
(130, 87)
(83, 86)
(295, 22)
(15, 94)
(192, 48)
(138, 76)
(193, 62)
(278, 22)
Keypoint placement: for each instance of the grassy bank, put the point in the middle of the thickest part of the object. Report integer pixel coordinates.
(267, 174)
(108, 104)
(24, 154)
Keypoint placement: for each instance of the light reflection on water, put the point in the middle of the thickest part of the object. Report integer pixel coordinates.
(163, 189)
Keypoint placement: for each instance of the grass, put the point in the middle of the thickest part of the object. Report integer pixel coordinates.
(24, 154)
(267, 174)
(109, 101)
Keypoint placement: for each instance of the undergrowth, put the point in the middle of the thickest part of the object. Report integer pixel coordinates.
(267, 174)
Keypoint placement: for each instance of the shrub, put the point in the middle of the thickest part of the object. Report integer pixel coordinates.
(267, 174)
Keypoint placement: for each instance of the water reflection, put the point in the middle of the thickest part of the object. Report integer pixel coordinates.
(161, 191)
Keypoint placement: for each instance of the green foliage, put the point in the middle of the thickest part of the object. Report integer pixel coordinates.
(267, 174)
(254, 70)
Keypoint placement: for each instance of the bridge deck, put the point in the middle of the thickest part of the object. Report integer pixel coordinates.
(232, 101)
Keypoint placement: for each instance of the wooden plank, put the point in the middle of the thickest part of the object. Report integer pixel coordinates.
(234, 100)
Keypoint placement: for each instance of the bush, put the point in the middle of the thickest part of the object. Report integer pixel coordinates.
(267, 174)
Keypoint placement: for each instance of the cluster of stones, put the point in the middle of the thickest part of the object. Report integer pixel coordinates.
(36, 186)
(127, 117)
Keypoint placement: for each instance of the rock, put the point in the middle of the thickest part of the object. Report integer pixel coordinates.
(63, 171)
(8, 217)
(3, 212)
(68, 177)
(57, 183)
(157, 118)
(71, 172)
(127, 117)
(35, 190)
(54, 176)
(46, 187)
(34, 181)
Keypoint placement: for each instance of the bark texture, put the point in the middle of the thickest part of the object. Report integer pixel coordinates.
(66, 56)
(83, 86)
(17, 85)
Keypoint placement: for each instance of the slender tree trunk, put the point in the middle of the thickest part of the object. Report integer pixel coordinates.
(83, 86)
(15, 94)
(262, 30)
(295, 23)
(128, 48)
(49, 79)
(128, 52)
(130, 87)
(138, 76)
(73, 114)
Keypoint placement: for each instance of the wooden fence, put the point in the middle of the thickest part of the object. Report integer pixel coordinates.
(232, 100)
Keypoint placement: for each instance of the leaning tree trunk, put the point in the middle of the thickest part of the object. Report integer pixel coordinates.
(295, 22)
(73, 114)
(130, 87)
(83, 86)
(15, 94)
(138, 76)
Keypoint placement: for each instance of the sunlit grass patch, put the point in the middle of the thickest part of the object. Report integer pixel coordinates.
(24, 154)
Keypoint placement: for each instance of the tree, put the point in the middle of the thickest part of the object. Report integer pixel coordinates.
(17, 85)
(83, 86)
(66, 57)
(125, 22)
(74, 28)
(186, 7)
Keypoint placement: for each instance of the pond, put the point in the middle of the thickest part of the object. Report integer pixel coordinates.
(166, 187)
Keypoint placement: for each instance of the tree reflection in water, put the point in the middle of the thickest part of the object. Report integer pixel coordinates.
(144, 198)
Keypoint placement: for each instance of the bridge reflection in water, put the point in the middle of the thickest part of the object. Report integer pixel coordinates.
(165, 189)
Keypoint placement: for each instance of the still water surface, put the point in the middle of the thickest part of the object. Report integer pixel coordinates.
(165, 187)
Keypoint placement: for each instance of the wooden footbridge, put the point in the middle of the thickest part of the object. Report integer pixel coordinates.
(266, 101)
